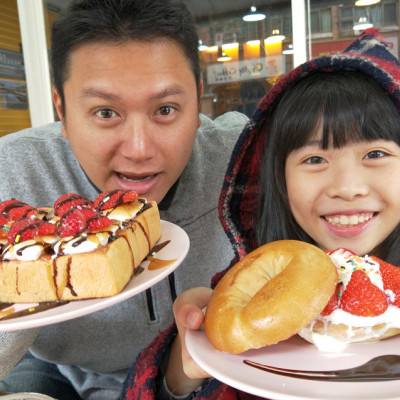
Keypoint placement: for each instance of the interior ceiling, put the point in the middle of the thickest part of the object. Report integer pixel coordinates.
(204, 10)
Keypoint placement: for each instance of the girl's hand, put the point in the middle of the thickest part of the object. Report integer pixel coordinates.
(183, 374)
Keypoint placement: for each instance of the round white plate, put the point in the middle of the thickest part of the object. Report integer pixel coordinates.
(26, 396)
(295, 353)
(176, 249)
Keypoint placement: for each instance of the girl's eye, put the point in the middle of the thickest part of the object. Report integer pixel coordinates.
(165, 110)
(375, 154)
(106, 113)
(314, 160)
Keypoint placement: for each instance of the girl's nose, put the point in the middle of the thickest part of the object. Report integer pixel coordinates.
(348, 182)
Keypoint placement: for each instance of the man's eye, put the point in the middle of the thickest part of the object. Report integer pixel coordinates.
(314, 160)
(165, 110)
(375, 154)
(106, 113)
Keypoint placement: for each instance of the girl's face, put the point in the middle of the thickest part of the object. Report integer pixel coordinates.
(345, 197)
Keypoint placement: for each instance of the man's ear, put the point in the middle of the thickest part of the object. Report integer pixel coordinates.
(201, 88)
(58, 106)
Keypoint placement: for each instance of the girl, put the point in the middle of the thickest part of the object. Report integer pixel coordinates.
(318, 162)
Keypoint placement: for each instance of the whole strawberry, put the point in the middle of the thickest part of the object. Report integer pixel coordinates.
(69, 201)
(79, 220)
(114, 198)
(391, 281)
(11, 210)
(28, 228)
(361, 297)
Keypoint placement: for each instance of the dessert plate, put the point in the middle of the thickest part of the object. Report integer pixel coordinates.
(25, 396)
(176, 249)
(295, 353)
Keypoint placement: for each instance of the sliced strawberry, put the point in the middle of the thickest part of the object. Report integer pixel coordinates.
(361, 297)
(78, 220)
(333, 302)
(11, 210)
(27, 228)
(114, 198)
(68, 201)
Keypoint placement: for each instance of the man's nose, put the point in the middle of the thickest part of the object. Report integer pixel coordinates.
(138, 140)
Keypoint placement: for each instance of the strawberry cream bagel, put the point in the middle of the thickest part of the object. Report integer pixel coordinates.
(269, 296)
(76, 250)
(365, 306)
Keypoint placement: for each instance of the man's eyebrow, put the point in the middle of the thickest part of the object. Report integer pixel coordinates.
(169, 91)
(90, 92)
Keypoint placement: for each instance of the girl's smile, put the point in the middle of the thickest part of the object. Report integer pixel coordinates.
(347, 225)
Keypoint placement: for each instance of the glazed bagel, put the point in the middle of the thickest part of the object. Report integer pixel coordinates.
(269, 296)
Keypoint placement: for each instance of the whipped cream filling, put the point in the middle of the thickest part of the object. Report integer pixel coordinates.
(29, 250)
(372, 327)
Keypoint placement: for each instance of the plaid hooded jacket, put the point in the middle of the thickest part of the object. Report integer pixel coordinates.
(369, 54)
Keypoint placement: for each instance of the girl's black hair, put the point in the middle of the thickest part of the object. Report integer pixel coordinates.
(353, 108)
(119, 21)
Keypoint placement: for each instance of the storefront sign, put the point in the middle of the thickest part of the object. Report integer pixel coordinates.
(13, 95)
(234, 71)
(11, 65)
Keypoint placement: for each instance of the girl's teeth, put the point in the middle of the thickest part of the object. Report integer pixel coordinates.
(348, 220)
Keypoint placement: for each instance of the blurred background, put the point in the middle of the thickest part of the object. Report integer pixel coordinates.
(245, 46)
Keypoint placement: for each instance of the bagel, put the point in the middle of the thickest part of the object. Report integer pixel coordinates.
(269, 295)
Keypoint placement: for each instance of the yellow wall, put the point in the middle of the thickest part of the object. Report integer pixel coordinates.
(10, 39)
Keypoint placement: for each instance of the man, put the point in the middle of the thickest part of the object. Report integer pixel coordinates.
(127, 92)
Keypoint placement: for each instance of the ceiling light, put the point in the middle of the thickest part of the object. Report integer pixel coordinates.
(362, 24)
(202, 47)
(253, 15)
(223, 57)
(230, 46)
(253, 42)
(276, 37)
(366, 2)
(289, 50)
(212, 49)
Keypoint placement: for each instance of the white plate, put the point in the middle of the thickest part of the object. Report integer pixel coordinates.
(176, 249)
(26, 396)
(295, 353)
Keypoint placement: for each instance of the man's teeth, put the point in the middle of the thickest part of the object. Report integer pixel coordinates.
(146, 178)
(349, 220)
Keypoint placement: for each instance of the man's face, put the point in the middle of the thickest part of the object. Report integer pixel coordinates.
(131, 114)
